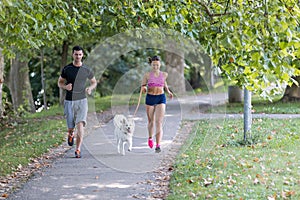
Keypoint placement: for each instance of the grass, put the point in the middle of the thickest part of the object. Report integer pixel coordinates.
(260, 106)
(221, 167)
(23, 142)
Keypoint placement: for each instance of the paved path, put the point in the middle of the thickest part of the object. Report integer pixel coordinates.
(103, 174)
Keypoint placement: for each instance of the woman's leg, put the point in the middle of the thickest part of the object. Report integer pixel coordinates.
(159, 117)
(150, 115)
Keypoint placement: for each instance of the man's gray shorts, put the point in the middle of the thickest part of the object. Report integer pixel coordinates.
(75, 112)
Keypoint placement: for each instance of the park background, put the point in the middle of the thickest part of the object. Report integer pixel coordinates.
(252, 44)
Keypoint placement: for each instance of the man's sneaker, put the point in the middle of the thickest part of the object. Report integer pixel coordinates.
(77, 154)
(157, 149)
(150, 143)
(71, 138)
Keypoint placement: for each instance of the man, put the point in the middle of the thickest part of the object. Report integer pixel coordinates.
(73, 79)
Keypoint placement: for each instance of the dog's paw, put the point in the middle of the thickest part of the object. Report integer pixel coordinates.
(129, 149)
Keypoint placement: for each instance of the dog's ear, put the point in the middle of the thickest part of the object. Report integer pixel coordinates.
(124, 121)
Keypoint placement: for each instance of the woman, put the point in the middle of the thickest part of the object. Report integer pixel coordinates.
(154, 83)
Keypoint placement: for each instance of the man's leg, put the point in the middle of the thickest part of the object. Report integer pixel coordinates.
(68, 111)
(80, 133)
(81, 115)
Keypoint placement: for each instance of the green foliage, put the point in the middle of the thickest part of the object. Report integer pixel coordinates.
(267, 169)
(253, 44)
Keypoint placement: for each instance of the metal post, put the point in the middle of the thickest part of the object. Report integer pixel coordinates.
(247, 113)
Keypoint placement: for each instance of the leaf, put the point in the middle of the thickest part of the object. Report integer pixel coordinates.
(190, 181)
(271, 197)
(207, 182)
(256, 181)
(39, 16)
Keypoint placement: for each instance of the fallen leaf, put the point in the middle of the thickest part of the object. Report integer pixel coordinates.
(191, 194)
(190, 181)
(258, 176)
(4, 195)
(290, 193)
(271, 198)
(269, 137)
(207, 182)
(286, 183)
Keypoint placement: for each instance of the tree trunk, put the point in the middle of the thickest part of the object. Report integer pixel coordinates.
(1, 81)
(43, 80)
(175, 68)
(292, 93)
(64, 60)
(235, 94)
(19, 85)
(208, 74)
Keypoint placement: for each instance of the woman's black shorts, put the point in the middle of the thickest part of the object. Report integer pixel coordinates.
(152, 100)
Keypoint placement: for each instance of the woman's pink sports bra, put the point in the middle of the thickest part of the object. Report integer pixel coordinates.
(156, 81)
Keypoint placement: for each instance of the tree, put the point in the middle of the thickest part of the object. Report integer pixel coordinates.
(1, 81)
(33, 24)
(26, 25)
(18, 78)
(254, 43)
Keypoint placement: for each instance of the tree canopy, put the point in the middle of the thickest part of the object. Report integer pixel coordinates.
(253, 43)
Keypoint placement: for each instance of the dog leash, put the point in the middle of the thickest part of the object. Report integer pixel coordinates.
(137, 107)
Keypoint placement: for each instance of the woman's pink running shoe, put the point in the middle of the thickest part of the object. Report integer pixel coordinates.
(150, 143)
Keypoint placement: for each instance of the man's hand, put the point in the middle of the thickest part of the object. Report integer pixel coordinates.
(88, 91)
(68, 87)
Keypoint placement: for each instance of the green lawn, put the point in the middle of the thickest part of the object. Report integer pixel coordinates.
(27, 140)
(259, 107)
(216, 165)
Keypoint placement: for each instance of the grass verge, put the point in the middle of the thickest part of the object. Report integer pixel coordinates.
(22, 142)
(216, 163)
(259, 107)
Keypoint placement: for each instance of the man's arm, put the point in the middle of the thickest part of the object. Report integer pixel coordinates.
(61, 84)
(93, 85)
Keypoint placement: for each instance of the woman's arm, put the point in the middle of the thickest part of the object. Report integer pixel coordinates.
(166, 87)
(144, 83)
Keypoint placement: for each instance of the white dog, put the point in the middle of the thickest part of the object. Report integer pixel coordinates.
(124, 128)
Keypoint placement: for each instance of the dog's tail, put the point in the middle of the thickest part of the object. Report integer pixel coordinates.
(139, 101)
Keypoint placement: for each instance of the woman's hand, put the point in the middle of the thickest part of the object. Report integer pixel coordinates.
(144, 89)
(170, 95)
